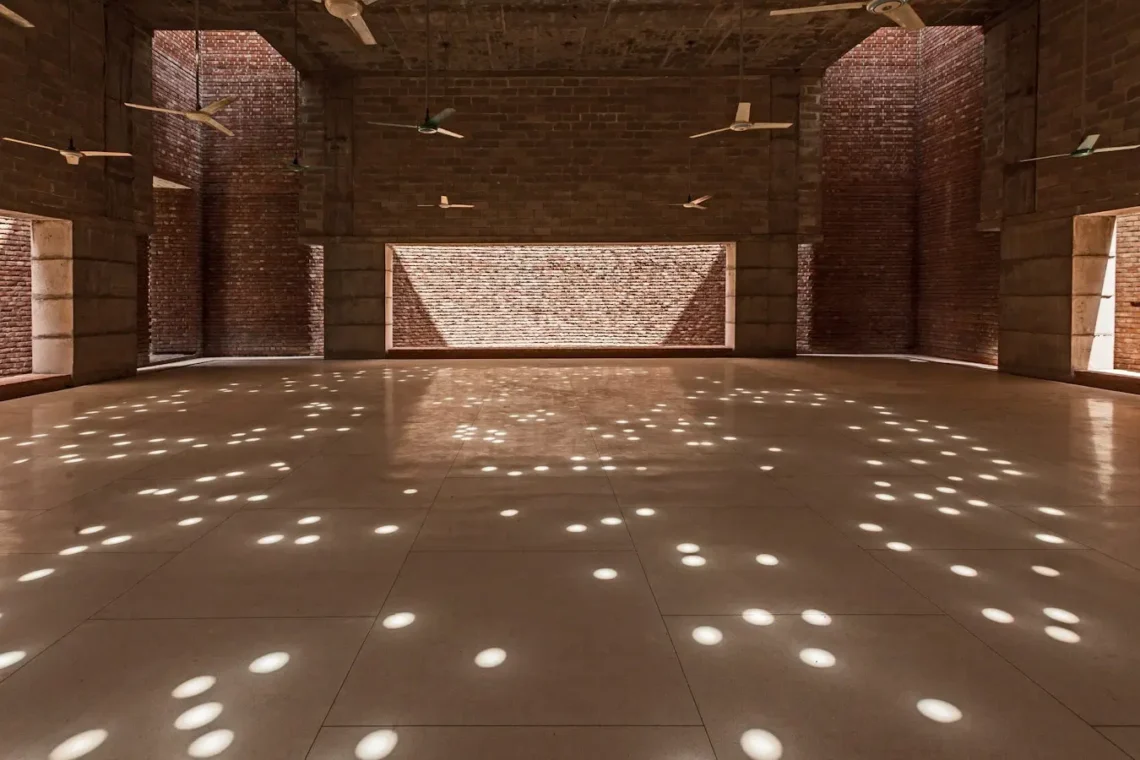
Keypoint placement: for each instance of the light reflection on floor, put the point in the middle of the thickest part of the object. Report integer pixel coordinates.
(763, 559)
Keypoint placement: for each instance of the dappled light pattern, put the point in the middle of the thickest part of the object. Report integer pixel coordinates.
(825, 558)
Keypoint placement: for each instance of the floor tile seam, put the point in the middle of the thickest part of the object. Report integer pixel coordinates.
(384, 601)
(875, 556)
(661, 617)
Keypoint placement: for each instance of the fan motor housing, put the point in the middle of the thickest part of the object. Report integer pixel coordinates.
(886, 6)
(343, 9)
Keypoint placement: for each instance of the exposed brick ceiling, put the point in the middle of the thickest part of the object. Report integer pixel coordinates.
(557, 35)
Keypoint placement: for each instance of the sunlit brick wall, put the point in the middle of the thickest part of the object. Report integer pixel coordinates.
(1127, 341)
(553, 296)
(15, 296)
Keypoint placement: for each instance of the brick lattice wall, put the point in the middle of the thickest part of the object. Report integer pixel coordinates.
(15, 296)
(864, 267)
(958, 267)
(1128, 293)
(528, 296)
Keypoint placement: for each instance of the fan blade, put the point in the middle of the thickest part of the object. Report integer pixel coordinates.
(356, 24)
(448, 132)
(906, 17)
(713, 132)
(390, 124)
(702, 199)
(743, 113)
(14, 17)
(770, 125)
(1089, 142)
(439, 118)
(32, 144)
(821, 9)
(210, 121)
(141, 107)
(425, 205)
(460, 205)
(1117, 148)
(1045, 158)
(103, 154)
(701, 208)
(443, 200)
(218, 105)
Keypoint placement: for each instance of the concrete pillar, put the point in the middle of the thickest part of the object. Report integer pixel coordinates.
(355, 286)
(53, 318)
(1035, 319)
(105, 287)
(1094, 292)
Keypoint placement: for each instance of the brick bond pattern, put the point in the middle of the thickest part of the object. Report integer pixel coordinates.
(958, 266)
(538, 296)
(233, 239)
(901, 267)
(1128, 293)
(15, 296)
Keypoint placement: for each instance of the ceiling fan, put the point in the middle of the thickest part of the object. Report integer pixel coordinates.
(1084, 150)
(898, 11)
(444, 204)
(70, 153)
(200, 114)
(15, 18)
(349, 11)
(690, 203)
(743, 122)
(431, 124)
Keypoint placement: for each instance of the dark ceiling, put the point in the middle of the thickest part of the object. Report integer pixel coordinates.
(643, 36)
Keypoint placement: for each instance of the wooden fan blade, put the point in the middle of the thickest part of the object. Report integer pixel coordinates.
(1045, 158)
(820, 9)
(218, 105)
(425, 205)
(141, 107)
(390, 124)
(743, 112)
(210, 121)
(32, 144)
(448, 132)
(906, 17)
(14, 17)
(103, 154)
(712, 132)
(1089, 142)
(460, 205)
(443, 200)
(702, 199)
(770, 125)
(439, 118)
(356, 24)
(1117, 148)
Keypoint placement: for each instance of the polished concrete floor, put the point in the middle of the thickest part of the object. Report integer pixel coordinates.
(634, 560)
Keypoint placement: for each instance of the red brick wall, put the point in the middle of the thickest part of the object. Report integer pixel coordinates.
(958, 267)
(526, 296)
(175, 254)
(257, 274)
(15, 296)
(1128, 293)
(863, 273)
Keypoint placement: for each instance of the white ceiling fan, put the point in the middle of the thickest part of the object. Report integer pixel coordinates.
(743, 121)
(444, 203)
(1084, 150)
(204, 115)
(350, 12)
(70, 153)
(690, 203)
(201, 114)
(15, 18)
(431, 124)
(898, 11)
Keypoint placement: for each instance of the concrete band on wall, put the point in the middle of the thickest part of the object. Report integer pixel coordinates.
(543, 296)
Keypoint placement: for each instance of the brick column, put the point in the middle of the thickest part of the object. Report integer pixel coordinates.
(103, 301)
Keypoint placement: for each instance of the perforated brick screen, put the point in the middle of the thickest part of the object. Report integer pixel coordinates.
(496, 296)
